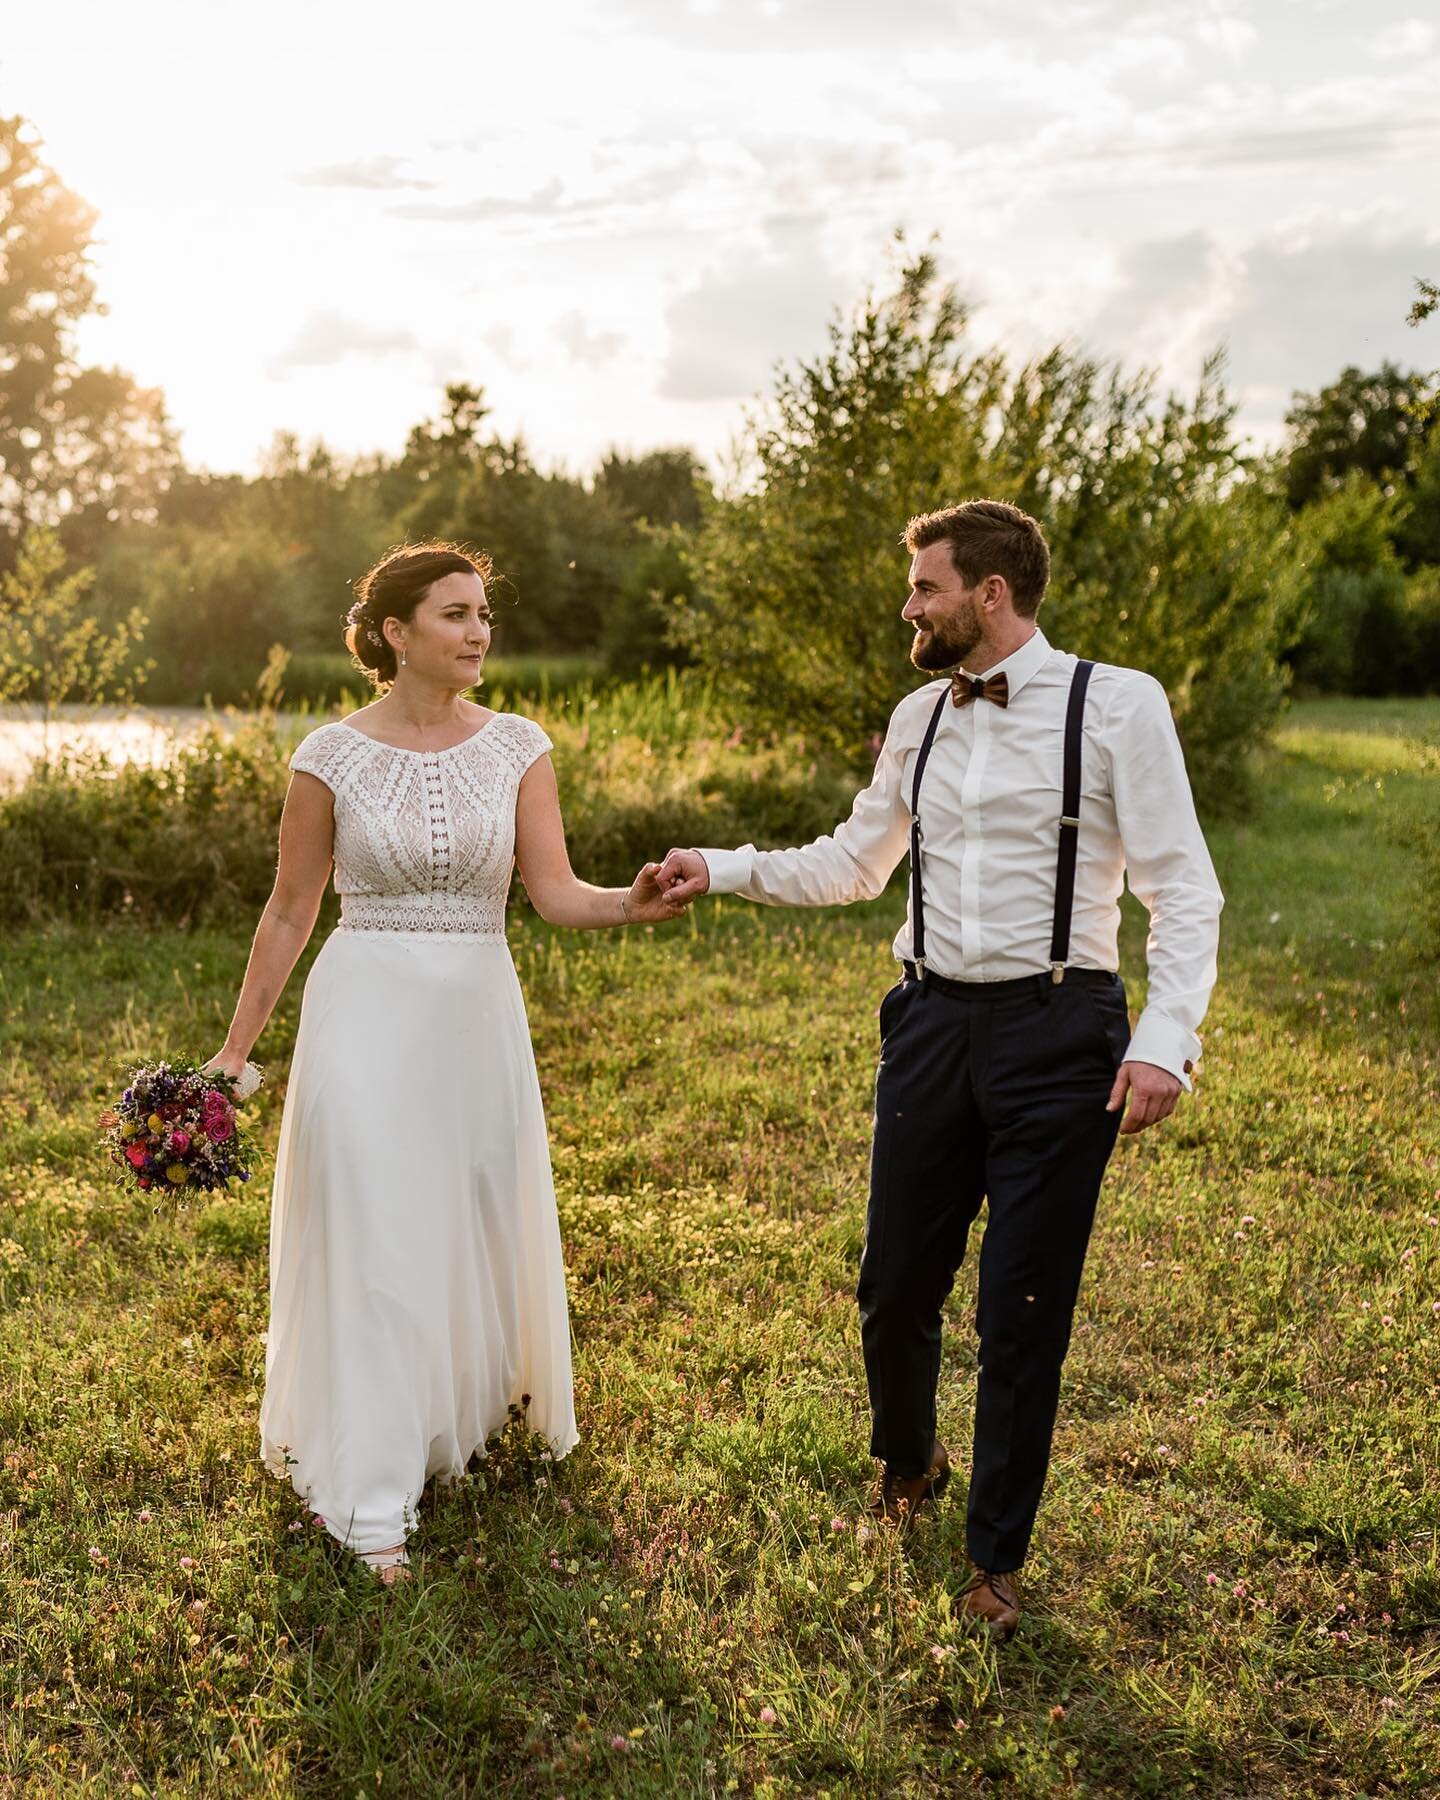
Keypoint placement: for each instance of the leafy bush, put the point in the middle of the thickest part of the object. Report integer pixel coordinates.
(640, 768)
(1164, 557)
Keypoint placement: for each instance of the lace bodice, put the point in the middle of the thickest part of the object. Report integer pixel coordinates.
(424, 839)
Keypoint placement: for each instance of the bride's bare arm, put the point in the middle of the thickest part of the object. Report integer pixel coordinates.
(307, 842)
(557, 894)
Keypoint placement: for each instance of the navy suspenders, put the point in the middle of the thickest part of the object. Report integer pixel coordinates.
(1069, 822)
(1069, 828)
(917, 902)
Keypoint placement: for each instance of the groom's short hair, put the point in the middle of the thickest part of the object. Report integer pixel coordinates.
(989, 537)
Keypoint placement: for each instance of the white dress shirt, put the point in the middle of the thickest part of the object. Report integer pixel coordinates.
(990, 814)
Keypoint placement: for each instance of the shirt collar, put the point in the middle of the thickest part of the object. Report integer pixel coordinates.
(1021, 664)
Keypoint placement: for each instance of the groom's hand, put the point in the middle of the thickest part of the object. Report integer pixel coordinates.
(685, 874)
(1153, 1092)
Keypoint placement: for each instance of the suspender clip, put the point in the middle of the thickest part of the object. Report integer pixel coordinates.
(1057, 973)
(920, 970)
(1065, 819)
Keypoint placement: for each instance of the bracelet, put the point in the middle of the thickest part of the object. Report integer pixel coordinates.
(623, 913)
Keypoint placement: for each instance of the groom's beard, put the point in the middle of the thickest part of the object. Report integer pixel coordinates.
(942, 646)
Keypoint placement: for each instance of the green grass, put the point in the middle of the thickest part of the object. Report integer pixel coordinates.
(1235, 1585)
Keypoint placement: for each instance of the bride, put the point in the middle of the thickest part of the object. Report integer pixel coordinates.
(417, 1289)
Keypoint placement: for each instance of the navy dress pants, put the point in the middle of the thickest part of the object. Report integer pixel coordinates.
(994, 1091)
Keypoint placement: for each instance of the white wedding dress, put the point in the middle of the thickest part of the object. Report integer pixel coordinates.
(416, 1282)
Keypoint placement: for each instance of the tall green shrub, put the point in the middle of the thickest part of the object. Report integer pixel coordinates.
(1163, 556)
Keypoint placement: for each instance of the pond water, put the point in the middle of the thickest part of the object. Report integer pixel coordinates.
(125, 734)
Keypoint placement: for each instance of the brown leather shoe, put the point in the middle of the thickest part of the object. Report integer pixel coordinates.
(989, 1595)
(897, 1500)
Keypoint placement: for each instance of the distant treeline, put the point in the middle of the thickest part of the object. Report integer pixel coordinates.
(1226, 575)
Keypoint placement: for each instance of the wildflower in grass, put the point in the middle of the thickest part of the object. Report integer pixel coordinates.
(1387, 1318)
(295, 1525)
(864, 1535)
(1240, 1590)
(837, 1524)
(767, 1715)
(619, 1743)
(187, 1562)
(93, 1553)
(567, 1506)
(1388, 1701)
(145, 1515)
(1212, 1581)
(1057, 1713)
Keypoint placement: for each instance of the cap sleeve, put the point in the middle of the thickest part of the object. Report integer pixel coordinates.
(534, 744)
(519, 740)
(319, 755)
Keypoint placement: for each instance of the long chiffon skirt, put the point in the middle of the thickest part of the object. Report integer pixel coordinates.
(416, 1282)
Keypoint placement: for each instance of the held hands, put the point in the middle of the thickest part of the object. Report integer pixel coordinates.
(651, 901)
(1153, 1092)
(685, 874)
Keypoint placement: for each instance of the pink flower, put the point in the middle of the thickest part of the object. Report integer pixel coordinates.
(1212, 1581)
(837, 1524)
(136, 1155)
(767, 1715)
(146, 1515)
(187, 1562)
(567, 1506)
(179, 1142)
(619, 1743)
(218, 1127)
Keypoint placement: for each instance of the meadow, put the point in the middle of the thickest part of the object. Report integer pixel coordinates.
(1235, 1584)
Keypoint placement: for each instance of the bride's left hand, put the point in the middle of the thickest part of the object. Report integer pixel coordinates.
(648, 903)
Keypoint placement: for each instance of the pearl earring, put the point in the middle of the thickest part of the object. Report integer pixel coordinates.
(402, 659)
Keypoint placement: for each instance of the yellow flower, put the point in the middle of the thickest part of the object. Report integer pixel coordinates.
(177, 1174)
(128, 1129)
(155, 1123)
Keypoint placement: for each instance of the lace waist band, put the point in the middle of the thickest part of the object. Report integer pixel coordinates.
(437, 915)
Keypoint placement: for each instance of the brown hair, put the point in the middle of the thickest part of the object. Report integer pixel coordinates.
(989, 537)
(393, 589)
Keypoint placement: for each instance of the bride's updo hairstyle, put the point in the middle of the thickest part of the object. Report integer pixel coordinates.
(392, 590)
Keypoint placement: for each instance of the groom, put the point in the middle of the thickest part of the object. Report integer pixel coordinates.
(1027, 787)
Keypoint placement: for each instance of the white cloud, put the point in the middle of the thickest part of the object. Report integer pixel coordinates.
(329, 337)
(595, 348)
(1407, 37)
(375, 173)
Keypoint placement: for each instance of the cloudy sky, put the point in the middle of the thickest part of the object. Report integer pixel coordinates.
(616, 215)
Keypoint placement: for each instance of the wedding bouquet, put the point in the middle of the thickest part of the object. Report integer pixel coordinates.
(175, 1128)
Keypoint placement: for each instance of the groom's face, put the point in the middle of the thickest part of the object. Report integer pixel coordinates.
(942, 609)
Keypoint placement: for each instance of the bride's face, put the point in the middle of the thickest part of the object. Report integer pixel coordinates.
(448, 635)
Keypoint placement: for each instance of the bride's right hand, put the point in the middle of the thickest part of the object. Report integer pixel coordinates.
(227, 1062)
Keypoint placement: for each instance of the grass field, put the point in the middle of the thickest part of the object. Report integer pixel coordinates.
(1235, 1587)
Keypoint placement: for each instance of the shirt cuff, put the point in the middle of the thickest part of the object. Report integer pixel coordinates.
(1160, 1040)
(729, 869)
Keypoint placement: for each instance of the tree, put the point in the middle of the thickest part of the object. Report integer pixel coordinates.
(1366, 421)
(662, 487)
(1425, 303)
(1165, 556)
(72, 440)
(52, 647)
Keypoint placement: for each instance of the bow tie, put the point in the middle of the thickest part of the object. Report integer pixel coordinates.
(965, 688)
